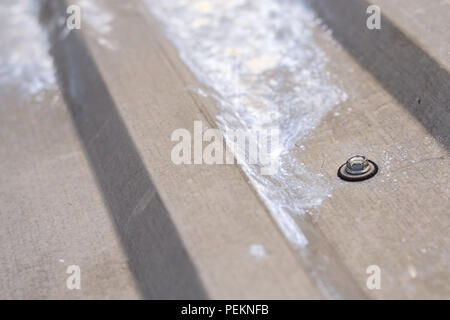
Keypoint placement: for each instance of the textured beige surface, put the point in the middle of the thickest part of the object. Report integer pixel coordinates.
(398, 114)
(88, 179)
(215, 213)
(51, 212)
(186, 231)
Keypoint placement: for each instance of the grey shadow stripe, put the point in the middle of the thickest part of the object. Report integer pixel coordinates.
(404, 70)
(157, 256)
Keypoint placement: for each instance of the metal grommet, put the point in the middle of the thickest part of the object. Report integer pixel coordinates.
(357, 168)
